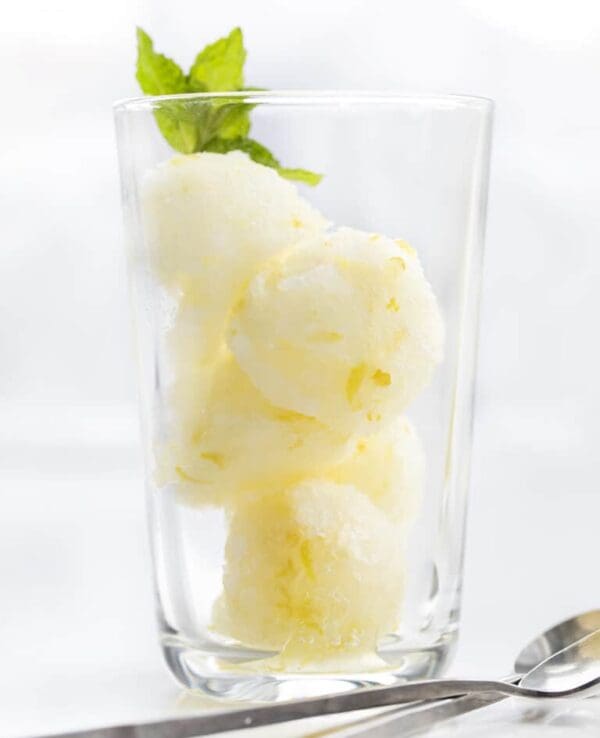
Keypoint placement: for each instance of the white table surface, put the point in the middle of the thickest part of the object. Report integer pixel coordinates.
(77, 635)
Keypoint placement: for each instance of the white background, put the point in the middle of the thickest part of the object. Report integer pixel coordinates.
(76, 605)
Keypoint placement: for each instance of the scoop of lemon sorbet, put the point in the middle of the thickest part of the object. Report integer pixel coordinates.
(314, 572)
(241, 444)
(343, 327)
(210, 220)
(388, 466)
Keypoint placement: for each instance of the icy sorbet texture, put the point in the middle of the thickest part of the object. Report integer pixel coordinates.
(294, 350)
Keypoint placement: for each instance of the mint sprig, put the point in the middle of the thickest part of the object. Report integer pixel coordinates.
(220, 125)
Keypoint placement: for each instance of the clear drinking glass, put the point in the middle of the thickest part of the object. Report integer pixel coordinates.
(306, 390)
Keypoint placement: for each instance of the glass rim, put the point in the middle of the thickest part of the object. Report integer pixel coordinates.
(313, 97)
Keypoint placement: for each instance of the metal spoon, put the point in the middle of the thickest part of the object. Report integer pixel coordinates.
(548, 649)
(578, 666)
(578, 639)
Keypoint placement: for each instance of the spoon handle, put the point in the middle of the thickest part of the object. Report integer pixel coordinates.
(418, 716)
(251, 717)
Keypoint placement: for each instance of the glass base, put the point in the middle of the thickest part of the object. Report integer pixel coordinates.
(233, 673)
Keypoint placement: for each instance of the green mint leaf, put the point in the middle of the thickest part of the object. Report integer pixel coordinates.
(217, 125)
(233, 117)
(159, 75)
(220, 66)
(261, 155)
(156, 73)
(301, 175)
(189, 126)
(177, 126)
(257, 152)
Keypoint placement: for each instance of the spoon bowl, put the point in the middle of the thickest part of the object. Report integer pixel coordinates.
(573, 670)
(556, 639)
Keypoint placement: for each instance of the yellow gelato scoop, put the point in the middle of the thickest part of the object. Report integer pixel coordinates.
(315, 571)
(241, 444)
(210, 220)
(389, 467)
(342, 327)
